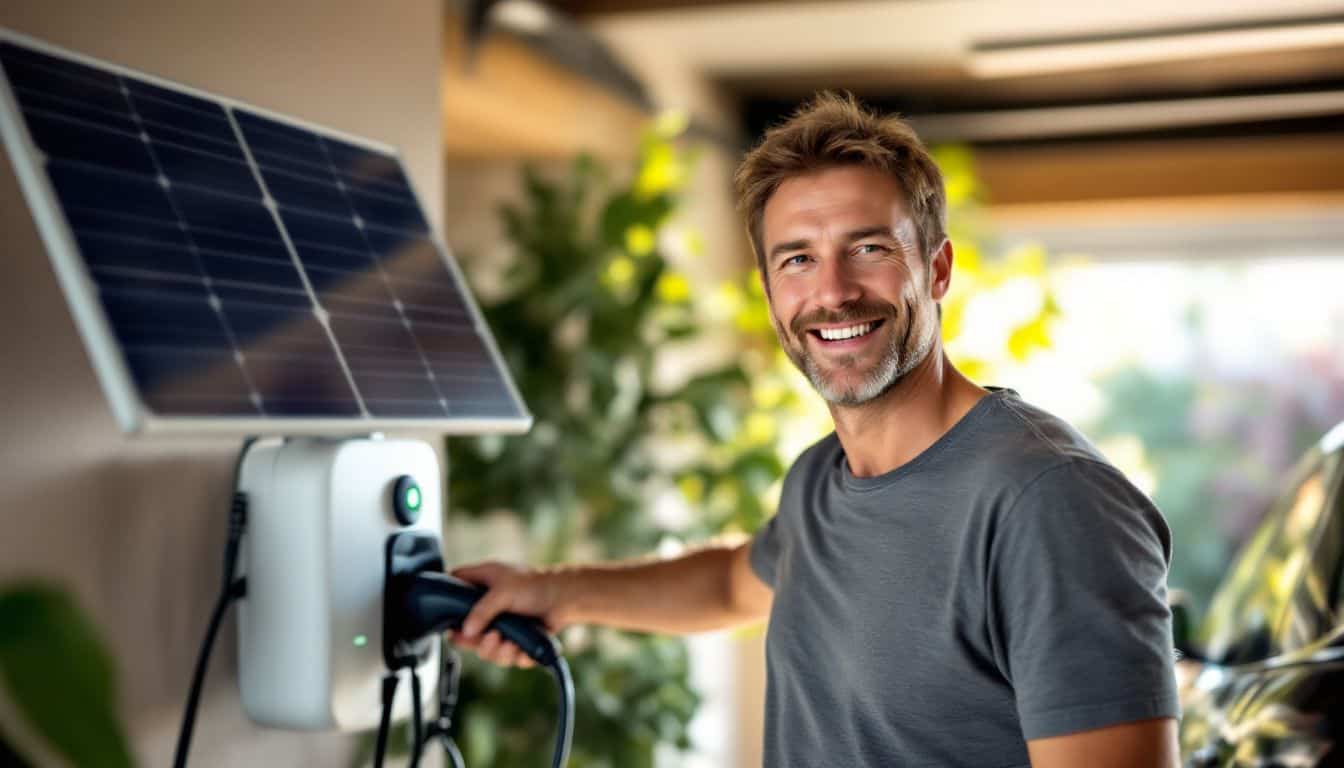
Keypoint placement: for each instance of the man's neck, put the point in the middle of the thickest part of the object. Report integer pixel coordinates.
(893, 429)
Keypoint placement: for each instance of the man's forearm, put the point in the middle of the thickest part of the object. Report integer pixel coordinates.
(695, 592)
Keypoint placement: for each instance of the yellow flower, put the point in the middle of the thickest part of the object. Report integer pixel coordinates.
(673, 288)
(953, 313)
(660, 171)
(966, 257)
(1028, 337)
(639, 240)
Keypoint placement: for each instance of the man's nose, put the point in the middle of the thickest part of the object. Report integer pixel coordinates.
(835, 285)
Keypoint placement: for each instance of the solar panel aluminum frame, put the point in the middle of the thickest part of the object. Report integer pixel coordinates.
(72, 273)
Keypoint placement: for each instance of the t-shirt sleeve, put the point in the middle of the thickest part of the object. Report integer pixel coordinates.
(1078, 603)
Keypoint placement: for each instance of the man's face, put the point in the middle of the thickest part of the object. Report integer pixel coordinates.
(850, 297)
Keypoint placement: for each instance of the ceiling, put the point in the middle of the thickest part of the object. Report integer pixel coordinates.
(921, 57)
(1231, 97)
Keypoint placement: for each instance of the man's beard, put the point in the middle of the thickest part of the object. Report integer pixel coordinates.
(909, 345)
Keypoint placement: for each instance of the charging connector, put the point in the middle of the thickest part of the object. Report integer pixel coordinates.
(420, 601)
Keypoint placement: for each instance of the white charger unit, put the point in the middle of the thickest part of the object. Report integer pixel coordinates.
(310, 627)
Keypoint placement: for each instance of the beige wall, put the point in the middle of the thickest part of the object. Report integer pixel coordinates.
(134, 527)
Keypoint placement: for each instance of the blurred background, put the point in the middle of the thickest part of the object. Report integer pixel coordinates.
(1146, 206)
(1147, 209)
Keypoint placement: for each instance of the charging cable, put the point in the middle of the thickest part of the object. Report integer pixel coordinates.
(431, 602)
(231, 588)
(421, 601)
(441, 730)
(385, 722)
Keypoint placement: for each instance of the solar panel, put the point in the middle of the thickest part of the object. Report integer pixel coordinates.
(231, 269)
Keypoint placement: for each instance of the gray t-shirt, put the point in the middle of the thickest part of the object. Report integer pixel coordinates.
(1007, 584)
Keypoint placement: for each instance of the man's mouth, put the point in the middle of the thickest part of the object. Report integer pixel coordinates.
(847, 332)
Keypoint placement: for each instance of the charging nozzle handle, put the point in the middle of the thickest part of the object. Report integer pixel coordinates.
(434, 602)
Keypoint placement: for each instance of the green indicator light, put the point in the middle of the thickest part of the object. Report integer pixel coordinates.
(361, 641)
(413, 498)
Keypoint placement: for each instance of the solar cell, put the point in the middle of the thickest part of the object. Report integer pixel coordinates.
(230, 268)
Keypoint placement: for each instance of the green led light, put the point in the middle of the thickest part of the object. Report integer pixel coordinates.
(412, 498)
(361, 641)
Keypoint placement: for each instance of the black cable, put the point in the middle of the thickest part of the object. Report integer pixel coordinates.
(454, 754)
(230, 589)
(417, 720)
(564, 728)
(441, 730)
(450, 665)
(385, 723)
(197, 678)
(450, 675)
(428, 602)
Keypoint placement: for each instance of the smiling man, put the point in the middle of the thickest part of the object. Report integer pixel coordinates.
(954, 577)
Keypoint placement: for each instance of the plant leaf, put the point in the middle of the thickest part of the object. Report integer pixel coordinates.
(60, 677)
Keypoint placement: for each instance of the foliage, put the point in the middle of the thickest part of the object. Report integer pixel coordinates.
(1220, 448)
(1013, 283)
(60, 678)
(592, 306)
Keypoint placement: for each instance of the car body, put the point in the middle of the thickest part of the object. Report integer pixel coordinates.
(1263, 675)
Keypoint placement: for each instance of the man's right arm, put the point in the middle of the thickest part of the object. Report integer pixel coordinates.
(709, 588)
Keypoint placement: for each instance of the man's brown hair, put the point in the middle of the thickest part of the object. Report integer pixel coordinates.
(832, 130)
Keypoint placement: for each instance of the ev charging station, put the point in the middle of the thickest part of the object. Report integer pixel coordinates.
(310, 630)
(232, 271)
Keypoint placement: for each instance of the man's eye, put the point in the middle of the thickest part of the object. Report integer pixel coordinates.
(794, 260)
(870, 248)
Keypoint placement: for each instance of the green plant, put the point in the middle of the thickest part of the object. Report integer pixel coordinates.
(60, 679)
(591, 305)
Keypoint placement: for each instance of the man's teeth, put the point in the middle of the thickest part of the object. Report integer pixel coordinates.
(836, 334)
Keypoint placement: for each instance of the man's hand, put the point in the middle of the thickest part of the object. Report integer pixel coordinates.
(508, 589)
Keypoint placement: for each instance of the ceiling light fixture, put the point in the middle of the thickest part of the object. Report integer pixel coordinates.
(524, 16)
(1101, 119)
(1051, 55)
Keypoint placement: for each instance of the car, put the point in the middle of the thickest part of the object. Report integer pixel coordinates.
(1262, 673)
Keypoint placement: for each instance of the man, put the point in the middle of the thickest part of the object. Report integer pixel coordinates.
(953, 577)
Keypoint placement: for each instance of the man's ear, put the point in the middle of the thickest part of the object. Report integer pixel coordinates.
(940, 270)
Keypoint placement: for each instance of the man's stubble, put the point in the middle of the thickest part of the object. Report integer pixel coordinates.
(910, 343)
